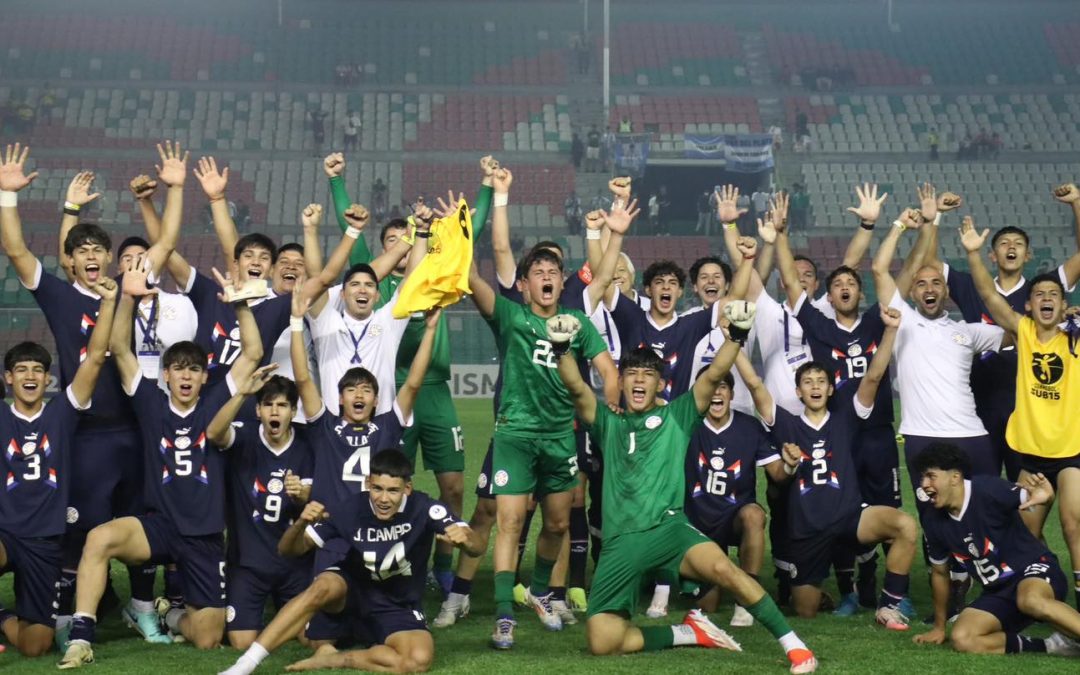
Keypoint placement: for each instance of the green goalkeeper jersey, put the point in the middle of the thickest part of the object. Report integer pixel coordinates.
(644, 463)
(535, 403)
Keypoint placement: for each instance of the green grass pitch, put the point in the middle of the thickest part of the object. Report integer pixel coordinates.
(853, 645)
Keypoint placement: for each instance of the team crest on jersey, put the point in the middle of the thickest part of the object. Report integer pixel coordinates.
(973, 549)
(29, 447)
(234, 334)
(501, 478)
(275, 486)
(376, 330)
(962, 339)
(653, 422)
(819, 453)
(717, 463)
(921, 495)
(1047, 368)
(482, 481)
(437, 512)
(854, 350)
(72, 515)
(182, 442)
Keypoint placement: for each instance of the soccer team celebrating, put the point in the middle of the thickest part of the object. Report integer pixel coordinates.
(255, 432)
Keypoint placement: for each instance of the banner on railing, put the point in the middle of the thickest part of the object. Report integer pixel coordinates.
(631, 153)
(742, 153)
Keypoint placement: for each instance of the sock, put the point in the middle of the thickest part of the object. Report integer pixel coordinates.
(766, 613)
(558, 592)
(1016, 643)
(142, 606)
(893, 590)
(443, 562)
(660, 595)
(174, 590)
(845, 582)
(250, 660)
(66, 594)
(658, 637)
(541, 576)
(83, 627)
(142, 581)
(172, 619)
(783, 584)
(504, 595)
(522, 540)
(579, 546)
(461, 586)
(790, 641)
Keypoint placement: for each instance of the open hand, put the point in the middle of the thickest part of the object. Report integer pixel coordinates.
(213, 182)
(869, 208)
(173, 168)
(78, 191)
(970, 237)
(12, 178)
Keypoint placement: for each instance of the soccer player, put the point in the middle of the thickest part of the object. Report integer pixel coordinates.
(721, 482)
(825, 508)
(387, 533)
(185, 481)
(270, 469)
(38, 439)
(976, 521)
(1044, 428)
(110, 481)
(534, 446)
(645, 528)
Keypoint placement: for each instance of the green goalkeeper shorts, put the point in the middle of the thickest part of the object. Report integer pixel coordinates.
(540, 466)
(625, 559)
(436, 429)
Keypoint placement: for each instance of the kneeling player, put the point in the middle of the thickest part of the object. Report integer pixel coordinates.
(825, 505)
(722, 485)
(645, 528)
(389, 533)
(976, 521)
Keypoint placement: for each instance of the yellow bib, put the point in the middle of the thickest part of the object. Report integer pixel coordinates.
(1045, 422)
(442, 277)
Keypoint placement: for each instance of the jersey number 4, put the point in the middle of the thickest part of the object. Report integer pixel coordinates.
(393, 564)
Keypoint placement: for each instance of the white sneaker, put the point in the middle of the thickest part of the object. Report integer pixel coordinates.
(542, 606)
(891, 618)
(741, 618)
(564, 613)
(456, 606)
(1062, 645)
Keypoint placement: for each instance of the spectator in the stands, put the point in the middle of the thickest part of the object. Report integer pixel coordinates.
(572, 213)
(760, 200)
(577, 150)
(932, 139)
(352, 130)
(800, 206)
(625, 126)
(704, 221)
(592, 149)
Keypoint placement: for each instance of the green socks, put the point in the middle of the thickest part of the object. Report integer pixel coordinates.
(541, 576)
(657, 637)
(768, 614)
(504, 595)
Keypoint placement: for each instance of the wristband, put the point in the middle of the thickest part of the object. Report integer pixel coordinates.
(730, 226)
(937, 218)
(500, 199)
(617, 203)
(9, 198)
(592, 234)
(352, 232)
(71, 205)
(899, 225)
(296, 324)
(867, 224)
(423, 234)
(71, 212)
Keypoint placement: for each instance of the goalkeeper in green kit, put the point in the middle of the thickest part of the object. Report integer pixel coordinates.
(645, 528)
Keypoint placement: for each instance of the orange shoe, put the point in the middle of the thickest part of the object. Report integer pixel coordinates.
(802, 661)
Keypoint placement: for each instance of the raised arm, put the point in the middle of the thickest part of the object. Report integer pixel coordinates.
(82, 385)
(251, 347)
(310, 398)
(879, 365)
(142, 188)
(561, 330)
(483, 295)
(505, 266)
(410, 388)
(12, 180)
(868, 211)
(946, 201)
(973, 241)
(78, 195)
(213, 184)
(737, 321)
(1069, 194)
(617, 223)
(134, 287)
(594, 238)
(220, 431)
(883, 278)
(172, 172)
(315, 285)
(785, 262)
(763, 400)
(334, 166)
(776, 218)
(295, 543)
(728, 211)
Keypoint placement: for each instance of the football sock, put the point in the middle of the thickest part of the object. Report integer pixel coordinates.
(251, 659)
(867, 574)
(522, 540)
(83, 627)
(461, 586)
(893, 590)
(1016, 643)
(174, 590)
(558, 592)
(766, 613)
(659, 637)
(579, 546)
(541, 576)
(504, 595)
(142, 581)
(845, 581)
(142, 606)
(442, 562)
(66, 594)
(172, 619)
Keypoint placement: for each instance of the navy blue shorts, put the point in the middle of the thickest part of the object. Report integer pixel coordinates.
(36, 564)
(483, 481)
(109, 465)
(372, 617)
(249, 589)
(719, 526)
(1048, 467)
(200, 560)
(812, 557)
(877, 463)
(1001, 601)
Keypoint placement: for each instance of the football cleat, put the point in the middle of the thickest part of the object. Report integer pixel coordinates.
(849, 605)
(562, 610)
(891, 618)
(576, 598)
(146, 624)
(542, 606)
(802, 661)
(503, 637)
(741, 618)
(78, 654)
(453, 608)
(519, 595)
(709, 634)
(1062, 645)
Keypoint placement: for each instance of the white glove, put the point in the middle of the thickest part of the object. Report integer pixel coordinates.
(561, 330)
(740, 316)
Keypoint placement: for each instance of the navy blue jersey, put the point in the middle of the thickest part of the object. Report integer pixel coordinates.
(387, 559)
(343, 452)
(259, 510)
(993, 374)
(71, 312)
(185, 474)
(824, 490)
(675, 342)
(218, 332)
(720, 467)
(35, 466)
(988, 538)
(847, 352)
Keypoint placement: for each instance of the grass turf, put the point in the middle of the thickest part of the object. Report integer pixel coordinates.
(851, 645)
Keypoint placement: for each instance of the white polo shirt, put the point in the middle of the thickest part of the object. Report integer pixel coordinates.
(783, 347)
(704, 353)
(933, 372)
(159, 323)
(342, 342)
